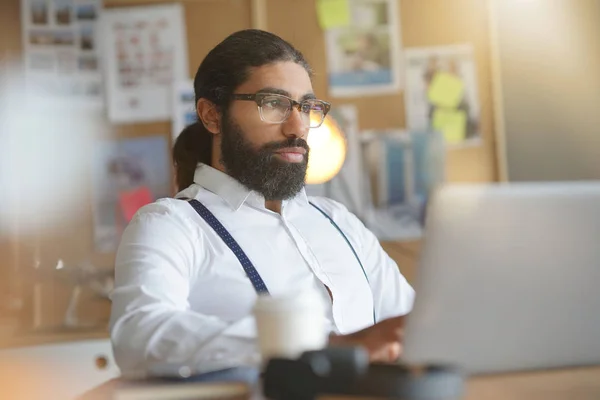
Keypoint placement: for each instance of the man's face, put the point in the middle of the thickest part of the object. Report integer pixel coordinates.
(270, 158)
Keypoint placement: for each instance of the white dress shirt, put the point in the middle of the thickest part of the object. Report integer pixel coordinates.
(181, 296)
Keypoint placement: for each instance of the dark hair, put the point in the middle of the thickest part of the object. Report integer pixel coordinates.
(224, 68)
(193, 145)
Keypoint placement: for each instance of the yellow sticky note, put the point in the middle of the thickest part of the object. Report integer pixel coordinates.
(446, 90)
(452, 123)
(333, 13)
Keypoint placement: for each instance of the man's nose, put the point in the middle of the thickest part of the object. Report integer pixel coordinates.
(296, 125)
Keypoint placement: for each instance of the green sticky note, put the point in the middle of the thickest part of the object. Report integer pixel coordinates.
(446, 90)
(333, 13)
(452, 123)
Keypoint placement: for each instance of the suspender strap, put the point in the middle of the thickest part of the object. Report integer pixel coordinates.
(257, 282)
(351, 248)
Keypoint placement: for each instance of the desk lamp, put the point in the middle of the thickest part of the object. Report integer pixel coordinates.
(327, 152)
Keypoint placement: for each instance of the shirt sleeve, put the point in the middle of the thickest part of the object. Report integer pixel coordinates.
(152, 326)
(392, 294)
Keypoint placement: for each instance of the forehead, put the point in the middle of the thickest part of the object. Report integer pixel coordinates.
(287, 76)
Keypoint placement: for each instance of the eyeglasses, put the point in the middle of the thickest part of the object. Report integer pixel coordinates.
(276, 108)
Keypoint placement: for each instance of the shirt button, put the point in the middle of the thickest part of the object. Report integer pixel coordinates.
(218, 354)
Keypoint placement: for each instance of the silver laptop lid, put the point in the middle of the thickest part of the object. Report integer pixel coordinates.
(509, 278)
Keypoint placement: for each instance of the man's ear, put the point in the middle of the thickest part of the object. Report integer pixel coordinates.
(209, 116)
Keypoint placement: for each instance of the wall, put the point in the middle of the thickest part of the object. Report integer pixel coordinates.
(548, 63)
(424, 23)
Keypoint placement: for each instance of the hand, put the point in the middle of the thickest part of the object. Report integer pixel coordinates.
(383, 340)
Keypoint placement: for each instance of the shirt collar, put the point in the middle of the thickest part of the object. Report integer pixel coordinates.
(232, 191)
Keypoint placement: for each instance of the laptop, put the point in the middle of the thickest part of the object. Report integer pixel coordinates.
(509, 278)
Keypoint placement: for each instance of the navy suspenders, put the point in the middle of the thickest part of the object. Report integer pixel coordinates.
(251, 272)
(214, 223)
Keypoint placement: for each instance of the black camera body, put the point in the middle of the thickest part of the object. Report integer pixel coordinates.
(346, 371)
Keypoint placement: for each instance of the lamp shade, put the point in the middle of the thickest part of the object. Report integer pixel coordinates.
(327, 152)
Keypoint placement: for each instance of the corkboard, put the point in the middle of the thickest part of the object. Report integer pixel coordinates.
(423, 23)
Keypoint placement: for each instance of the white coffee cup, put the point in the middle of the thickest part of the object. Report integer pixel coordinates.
(289, 325)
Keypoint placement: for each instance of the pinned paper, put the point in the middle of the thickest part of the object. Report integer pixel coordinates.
(446, 90)
(131, 201)
(333, 13)
(452, 123)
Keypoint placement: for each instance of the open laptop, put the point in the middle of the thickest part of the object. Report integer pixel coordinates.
(509, 278)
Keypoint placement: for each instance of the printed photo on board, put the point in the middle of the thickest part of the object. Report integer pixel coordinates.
(63, 11)
(441, 93)
(41, 38)
(64, 38)
(88, 63)
(363, 56)
(87, 38)
(39, 12)
(87, 12)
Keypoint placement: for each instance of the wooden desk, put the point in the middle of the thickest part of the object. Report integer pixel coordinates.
(406, 255)
(571, 384)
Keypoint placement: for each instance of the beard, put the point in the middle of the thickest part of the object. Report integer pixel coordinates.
(258, 169)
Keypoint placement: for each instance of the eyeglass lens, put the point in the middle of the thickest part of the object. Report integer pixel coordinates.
(276, 109)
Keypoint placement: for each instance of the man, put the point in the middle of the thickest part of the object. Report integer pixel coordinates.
(188, 270)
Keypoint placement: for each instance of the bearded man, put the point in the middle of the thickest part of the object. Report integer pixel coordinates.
(189, 268)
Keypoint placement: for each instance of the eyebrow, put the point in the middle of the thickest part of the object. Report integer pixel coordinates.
(272, 90)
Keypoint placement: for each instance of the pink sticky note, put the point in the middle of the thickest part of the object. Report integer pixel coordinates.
(133, 200)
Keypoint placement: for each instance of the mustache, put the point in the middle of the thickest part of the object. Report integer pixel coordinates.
(292, 142)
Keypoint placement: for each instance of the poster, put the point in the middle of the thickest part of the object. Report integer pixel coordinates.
(146, 52)
(441, 93)
(184, 107)
(363, 58)
(61, 49)
(401, 170)
(127, 174)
